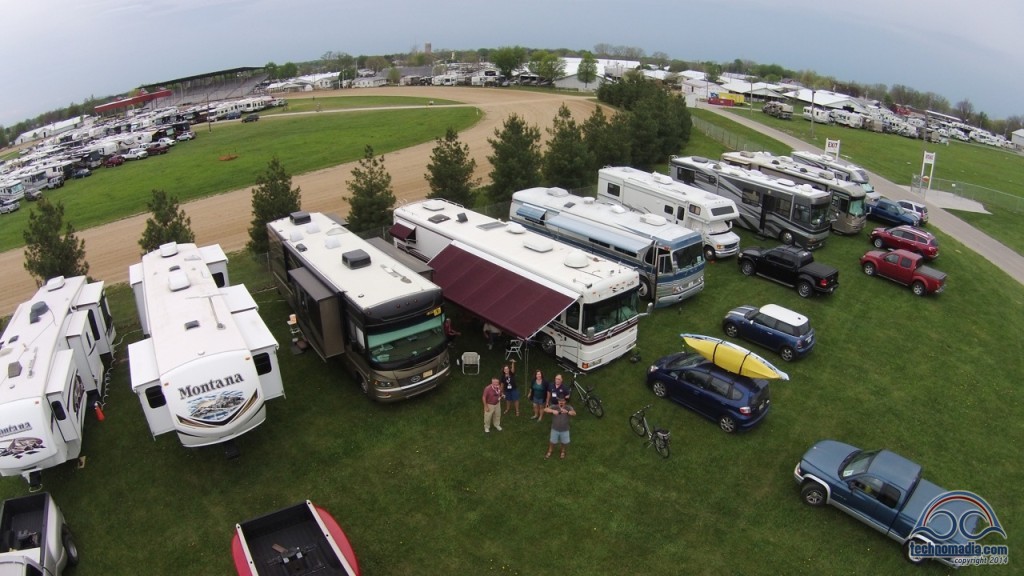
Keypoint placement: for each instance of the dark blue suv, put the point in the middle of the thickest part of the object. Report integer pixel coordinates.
(735, 402)
(772, 326)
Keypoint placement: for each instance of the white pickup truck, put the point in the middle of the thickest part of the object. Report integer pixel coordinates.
(34, 538)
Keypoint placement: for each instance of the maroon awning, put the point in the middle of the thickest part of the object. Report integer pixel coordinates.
(510, 299)
(402, 232)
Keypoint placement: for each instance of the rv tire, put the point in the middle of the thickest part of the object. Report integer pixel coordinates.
(709, 253)
(69, 547)
(547, 344)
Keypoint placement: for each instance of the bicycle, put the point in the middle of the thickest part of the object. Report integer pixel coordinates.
(657, 437)
(587, 395)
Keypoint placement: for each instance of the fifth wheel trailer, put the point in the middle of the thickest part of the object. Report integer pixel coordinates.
(56, 348)
(210, 362)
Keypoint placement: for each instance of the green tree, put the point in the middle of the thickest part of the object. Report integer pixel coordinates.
(272, 198)
(47, 253)
(288, 70)
(604, 139)
(587, 71)
(568, 162)
(372, 198)
(508, 59)
(516, 162)
(3, 136)
(547, 65)
(394, 75)
(450, 171)
(169, 223)
(272, 70)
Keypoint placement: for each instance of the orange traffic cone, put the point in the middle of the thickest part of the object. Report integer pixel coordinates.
(99, 412)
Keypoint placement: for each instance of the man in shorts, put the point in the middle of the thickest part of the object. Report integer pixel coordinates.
(559, 425)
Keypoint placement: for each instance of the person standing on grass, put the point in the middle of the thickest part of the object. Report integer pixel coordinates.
(559, 426)
(492, 405)
(509, 388)
(538, 395)
(557, 389)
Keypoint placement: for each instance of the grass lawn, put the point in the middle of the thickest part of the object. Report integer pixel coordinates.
(420, 489)
(198, 168)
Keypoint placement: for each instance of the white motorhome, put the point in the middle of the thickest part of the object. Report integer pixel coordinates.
(581, 308)
(820, 115)
(56, 349)
(709, 214)
(210, 362)
(11, 189)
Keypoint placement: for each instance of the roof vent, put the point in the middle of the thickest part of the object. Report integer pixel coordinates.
(653, 219)
(55, 283)
(576, 259)
(14, 370)
(332, 242)
(177, 280)
(538, 244)
(169, 249)
(589, 200)
(295, 236)
(191, 324)
(786, 182)
(434, 205)
(37, 311)
(558, 192)
(300, 217)
(355, 259)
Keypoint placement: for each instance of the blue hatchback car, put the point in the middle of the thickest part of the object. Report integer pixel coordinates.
(735, 402)
(772, 326)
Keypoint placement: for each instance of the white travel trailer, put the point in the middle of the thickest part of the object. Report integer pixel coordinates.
(581, 308)
(210, 363)
(56, 348)
(710, 215)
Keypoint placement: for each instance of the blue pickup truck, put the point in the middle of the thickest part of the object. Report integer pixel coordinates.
(882, 489)
(891, 213)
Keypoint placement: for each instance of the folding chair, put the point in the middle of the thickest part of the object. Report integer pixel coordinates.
(514, 348)
(470, 360)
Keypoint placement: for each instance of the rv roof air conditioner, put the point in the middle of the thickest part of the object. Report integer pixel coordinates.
(300, 217)
(36, 312)
(434, 205)
(355, 259)
(55, 283)
(589, 200)
(653, 219)
(541, 245)
(700, 160)
(313, 228)
(177, 280)
(576, 259)
(169, 249)
(515, 228)
(746, 154)
(558, 192)
(295, 236)
(332, 242)
(618, 209)
(661, 178)
(786, 182)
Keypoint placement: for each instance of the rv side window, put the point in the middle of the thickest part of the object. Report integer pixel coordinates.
(155, 397)
(684, 175)
(783, 206)
(694, 209)
(218, 279)
(751, 197)
(572, 317)
(58, 410)
(668, 210)
(93, 327)
(614, 190)
(263, 364)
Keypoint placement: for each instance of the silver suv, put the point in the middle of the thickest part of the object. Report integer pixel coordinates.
(8, 206)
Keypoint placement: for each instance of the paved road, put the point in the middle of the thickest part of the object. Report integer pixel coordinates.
(1006, 259)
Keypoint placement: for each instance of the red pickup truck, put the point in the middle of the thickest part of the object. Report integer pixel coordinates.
(904, 267)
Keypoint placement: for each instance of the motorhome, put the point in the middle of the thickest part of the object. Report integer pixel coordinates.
(11, 189)
(57, 347)
(669, 257)
(353, 301)
(776, 208)
(708, 214)
(581, 308)
(847, 213)
(840, 168)
(209, 364)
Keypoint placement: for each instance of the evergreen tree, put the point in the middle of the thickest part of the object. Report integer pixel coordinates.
(450, 172)
(168, 224)
(372, 198)
(272, 198)
(516, 160)
(568, 162)
(605, 139)
(47, 254)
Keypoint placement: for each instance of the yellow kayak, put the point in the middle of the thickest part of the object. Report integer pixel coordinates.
(735, 359)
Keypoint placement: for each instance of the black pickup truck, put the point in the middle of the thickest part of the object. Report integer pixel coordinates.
(791, 266)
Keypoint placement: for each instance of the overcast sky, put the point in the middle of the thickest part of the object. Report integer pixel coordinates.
(58, 52)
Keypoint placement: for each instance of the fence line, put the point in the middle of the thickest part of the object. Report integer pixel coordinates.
(986, 196)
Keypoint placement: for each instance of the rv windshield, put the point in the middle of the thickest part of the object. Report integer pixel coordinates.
(859, 176)
(856, 207)
(399, 345)
(719, 227)
(611, 312)
(812, 215)
(688, 257)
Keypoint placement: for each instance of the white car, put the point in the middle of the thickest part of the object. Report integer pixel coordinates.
(136, 154)
(166, 142)
(9, 206)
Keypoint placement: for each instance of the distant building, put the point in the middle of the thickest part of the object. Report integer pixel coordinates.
(1017, 137)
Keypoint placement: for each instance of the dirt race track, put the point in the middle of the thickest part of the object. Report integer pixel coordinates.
(224, 219)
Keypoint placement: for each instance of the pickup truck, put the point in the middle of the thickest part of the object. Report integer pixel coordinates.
(778, 110)
(906, 268)
(34, 537)
(790, 266)
(297, 540)
(891, 213)
(878, 487)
